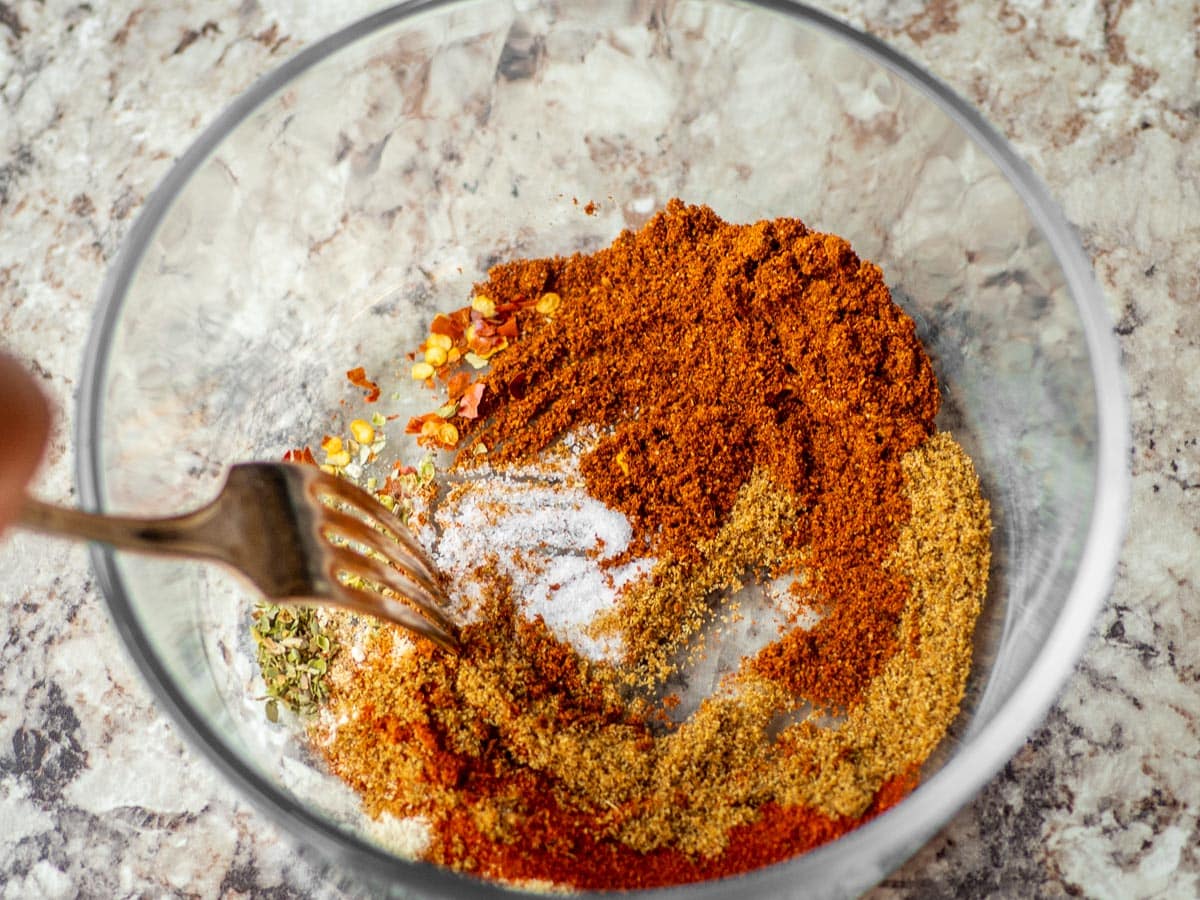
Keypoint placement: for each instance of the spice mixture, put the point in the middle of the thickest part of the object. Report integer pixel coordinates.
(742, 411)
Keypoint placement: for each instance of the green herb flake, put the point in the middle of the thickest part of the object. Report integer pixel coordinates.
(425, 470)
(293, 652)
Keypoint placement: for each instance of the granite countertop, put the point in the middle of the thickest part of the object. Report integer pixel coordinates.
(99, 796)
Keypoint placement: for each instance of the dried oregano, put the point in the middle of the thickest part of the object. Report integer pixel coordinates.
(293, 644)
(293, 651)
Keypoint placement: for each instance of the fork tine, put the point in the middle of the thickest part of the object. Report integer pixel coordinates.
(371, 569)
(365, 503)
(383, 607)
(350, 528)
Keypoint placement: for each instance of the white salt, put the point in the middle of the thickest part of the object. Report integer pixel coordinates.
(547, 535)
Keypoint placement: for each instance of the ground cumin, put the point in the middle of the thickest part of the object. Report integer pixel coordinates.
(659, 613)
(753, 402)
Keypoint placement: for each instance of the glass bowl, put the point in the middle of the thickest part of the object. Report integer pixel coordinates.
(325, 217)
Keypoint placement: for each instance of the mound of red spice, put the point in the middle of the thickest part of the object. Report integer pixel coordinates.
(702, 350)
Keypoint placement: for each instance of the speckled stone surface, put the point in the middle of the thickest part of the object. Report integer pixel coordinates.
(99, 796)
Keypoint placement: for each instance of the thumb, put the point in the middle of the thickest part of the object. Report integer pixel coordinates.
(24, 427)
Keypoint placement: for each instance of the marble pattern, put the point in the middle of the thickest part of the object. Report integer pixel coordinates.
(98, 794)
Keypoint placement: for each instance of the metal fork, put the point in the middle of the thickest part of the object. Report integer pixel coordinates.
(299, 535)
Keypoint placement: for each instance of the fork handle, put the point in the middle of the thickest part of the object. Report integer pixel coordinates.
(175, 536)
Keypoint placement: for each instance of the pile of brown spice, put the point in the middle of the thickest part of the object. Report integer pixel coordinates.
(705, 351)
(757, 407)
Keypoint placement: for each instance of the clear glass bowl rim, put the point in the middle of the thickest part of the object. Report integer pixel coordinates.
(891, 837)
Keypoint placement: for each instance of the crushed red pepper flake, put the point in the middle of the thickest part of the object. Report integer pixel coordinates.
(468, 407)
(433, 431)
(457, 385)
(358, 378)
(303, 455)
